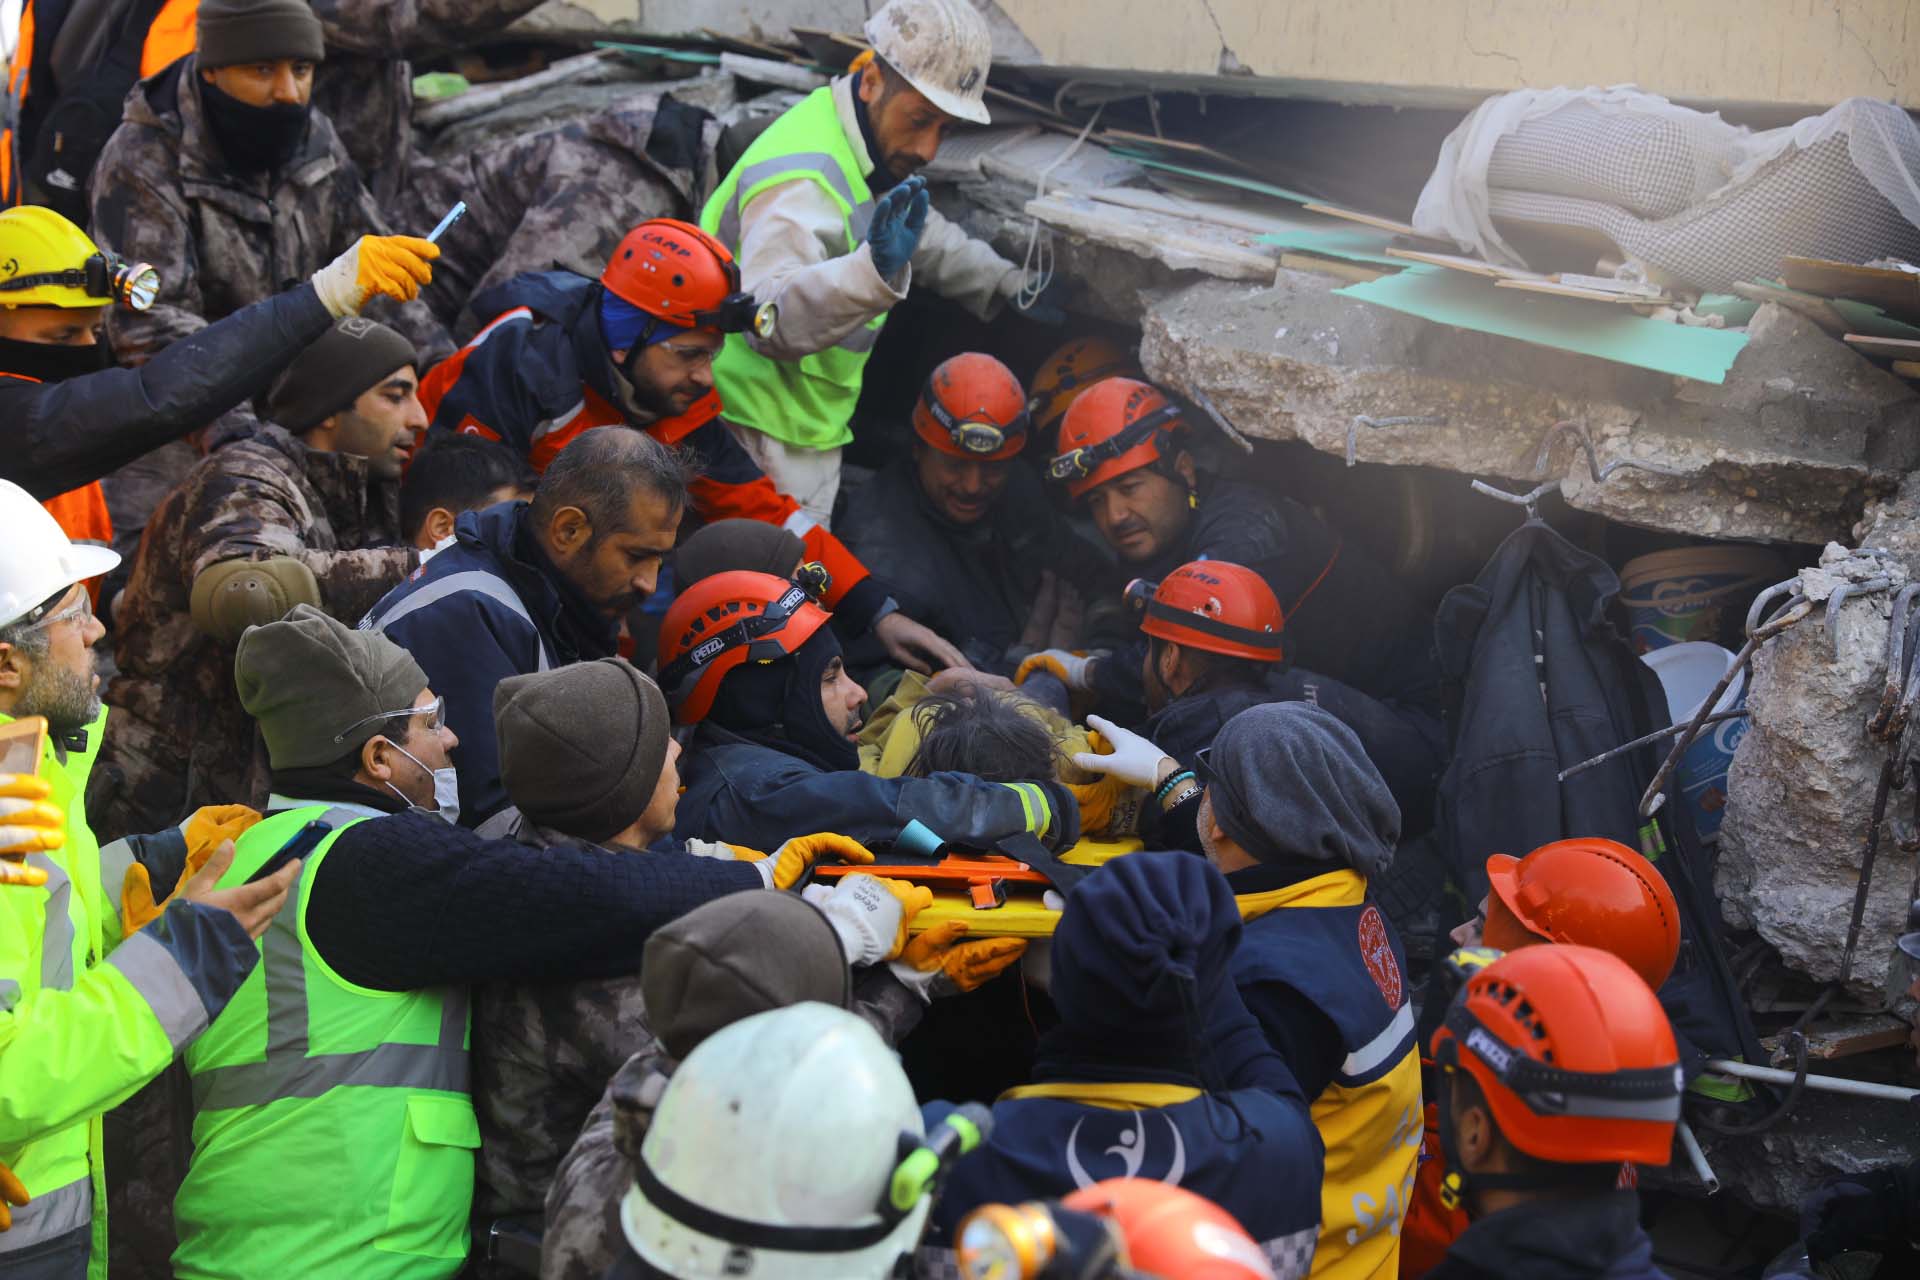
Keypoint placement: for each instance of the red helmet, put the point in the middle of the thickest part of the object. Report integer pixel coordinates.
(1573, 1053)
(972, 407)
(674, 270)
(1172, 1232)
(1592, 893)
(1214, 606)
(1072, 368)
(718, 623)
(1119, 425)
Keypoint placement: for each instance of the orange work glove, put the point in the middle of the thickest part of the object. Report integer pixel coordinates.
(792, 860)
(937, 963)
(28, 823)
(1072, 669)
(12, 1192)
(206, 830)
(385, 266)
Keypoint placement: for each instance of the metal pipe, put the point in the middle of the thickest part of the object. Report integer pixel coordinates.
(1696, 1157)
(1227, 429)
(1716, 718)
(1826, 1084)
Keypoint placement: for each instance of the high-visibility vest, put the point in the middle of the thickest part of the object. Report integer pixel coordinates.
(170, 37)
(333, 1131)
(1323, 938)
(806, 402)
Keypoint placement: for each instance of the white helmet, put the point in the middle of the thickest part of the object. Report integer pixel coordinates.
(37, 561)
(942, 47)
(783, 1148)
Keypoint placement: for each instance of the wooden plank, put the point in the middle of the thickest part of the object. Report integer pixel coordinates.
(1375, 221)
(1844, 1039)
(1907, 368)
(1588, 295)
(1884, 348)
(1356, 272)
(1816, 309)
(1460, 262)
(1893, 291)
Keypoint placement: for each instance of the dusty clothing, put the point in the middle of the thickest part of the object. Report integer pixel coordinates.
(180, 737)
(163, 194)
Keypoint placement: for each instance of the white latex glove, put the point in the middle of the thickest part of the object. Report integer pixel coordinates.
(870, 915)
(1134, 760)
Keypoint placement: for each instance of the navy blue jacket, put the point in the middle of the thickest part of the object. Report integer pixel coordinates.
(744, 792)
(486, 608)
(1582, 1238)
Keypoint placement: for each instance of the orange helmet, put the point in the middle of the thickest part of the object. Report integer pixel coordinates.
(1574, 1055)
(1117, 426)
(718, 623)
(676, 271)
(1171, 1232)
(1592, 893)
(1074, 366)
(972, 408)
(1214, 606)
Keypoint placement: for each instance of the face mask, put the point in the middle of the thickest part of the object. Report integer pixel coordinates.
(53, 362)
(253, 139)
(446, 787)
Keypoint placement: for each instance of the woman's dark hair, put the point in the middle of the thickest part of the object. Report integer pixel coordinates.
(988, 734)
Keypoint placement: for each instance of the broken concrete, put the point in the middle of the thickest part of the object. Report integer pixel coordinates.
(1826, 1136)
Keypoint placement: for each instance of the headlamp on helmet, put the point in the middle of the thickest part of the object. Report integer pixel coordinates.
(133, 285)
(1084, 461)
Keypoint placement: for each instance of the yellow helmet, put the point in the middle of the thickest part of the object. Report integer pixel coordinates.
(46, 261)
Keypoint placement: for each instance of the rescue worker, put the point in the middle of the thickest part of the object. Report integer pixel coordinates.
(1069, 371)
(350, 1061)
(1218, 644)
(89, 1009)
(587, 759)
(528, 586)
(307, 508)
(788, 1144)
(452, 475)
(1155, 1070)
(748, 662)
(1557, 1063)
(566, 354)
(225, 179)
(1319, 965)
(831, 226)
(76, 418)
(1124, 455)
(962, 532)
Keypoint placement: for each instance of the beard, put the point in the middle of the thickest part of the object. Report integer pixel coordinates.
(66, 698)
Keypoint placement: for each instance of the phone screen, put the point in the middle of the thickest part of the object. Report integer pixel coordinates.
(20, 744)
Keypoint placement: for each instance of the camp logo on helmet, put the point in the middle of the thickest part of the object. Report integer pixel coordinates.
(1377, 950)
(671, 246)
(1495, 1054)
(1131, 1147)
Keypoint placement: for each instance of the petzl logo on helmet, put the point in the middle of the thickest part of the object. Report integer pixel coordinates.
(1491, 1051)
(711, 649)
(1376, 948)
(1131, 1150)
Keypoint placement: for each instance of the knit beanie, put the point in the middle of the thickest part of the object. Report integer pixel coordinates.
(581, 746)
(1142, 949)
(726, 545)
(342, 364)
(315, 686)
(231, 32)
(736, 956)
(1291, 782)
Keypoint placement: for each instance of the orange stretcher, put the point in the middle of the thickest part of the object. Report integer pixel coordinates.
(997, 896)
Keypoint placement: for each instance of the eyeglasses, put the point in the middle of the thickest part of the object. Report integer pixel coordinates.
(437, 710)
(80, 610)
(695, 356)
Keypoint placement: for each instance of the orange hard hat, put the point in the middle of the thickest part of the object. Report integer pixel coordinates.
(1117, 426)
(1171, 1232)
(1590, 892)
(1070, 369)
(1573, 1053)
(972, 408)
(720, 622)
(1214, 606)
(676, 271)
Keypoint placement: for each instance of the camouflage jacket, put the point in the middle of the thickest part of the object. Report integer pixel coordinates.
(179, 737)
(162, 194)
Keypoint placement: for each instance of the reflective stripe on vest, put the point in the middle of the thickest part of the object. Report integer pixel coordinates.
(56, 943)
(487, 584)
(50, 1215)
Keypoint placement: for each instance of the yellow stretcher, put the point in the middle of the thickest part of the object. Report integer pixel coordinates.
(996, 896)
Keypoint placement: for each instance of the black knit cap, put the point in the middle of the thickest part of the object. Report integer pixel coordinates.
(232, 32)
(343, 364)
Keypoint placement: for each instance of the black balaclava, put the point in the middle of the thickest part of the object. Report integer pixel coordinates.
(53, 361)
(778, 704)
(253, 139)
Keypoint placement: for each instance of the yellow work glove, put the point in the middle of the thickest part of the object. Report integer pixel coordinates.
(12, 1192)
(870, 913)
(938, 963)
(791, 861)
(388, 266)
(1071, 669)
(209, 826)
(28, 823)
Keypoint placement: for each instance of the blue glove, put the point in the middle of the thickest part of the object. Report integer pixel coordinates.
(898, 220)
(1050, 307)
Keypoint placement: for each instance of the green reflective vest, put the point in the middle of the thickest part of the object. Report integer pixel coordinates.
(807, 402)
(333, 1132)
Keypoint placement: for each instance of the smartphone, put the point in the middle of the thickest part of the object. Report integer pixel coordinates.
(304, 842)
(21, 743)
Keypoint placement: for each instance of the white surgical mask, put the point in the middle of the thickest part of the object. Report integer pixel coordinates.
(446, 787)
